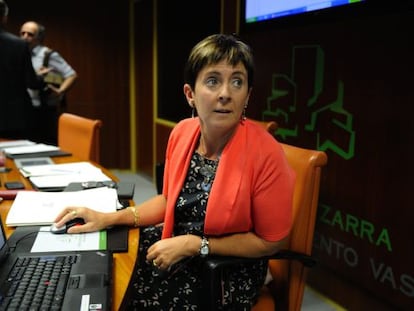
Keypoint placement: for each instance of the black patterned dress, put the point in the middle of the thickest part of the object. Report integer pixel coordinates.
(180, 288)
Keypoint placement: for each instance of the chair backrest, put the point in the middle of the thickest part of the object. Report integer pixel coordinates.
(270, 126)
(291, 275)
(80, 136)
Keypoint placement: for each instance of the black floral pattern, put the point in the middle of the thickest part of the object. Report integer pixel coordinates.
(180, 288)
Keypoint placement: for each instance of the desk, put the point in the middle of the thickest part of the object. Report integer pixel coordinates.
(123, 262)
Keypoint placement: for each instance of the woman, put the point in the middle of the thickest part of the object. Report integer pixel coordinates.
(227, 191)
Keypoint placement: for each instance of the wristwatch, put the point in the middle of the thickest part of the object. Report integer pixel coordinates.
(204, 249)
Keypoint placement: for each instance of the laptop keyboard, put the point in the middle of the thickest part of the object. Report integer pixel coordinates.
(38, 283)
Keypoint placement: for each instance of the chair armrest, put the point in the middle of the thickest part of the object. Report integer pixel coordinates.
(219, 262)
(214, 271)
(306, 260)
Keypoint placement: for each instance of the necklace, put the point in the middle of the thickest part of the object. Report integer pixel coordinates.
(208, 170)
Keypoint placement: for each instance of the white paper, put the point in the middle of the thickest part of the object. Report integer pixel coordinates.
(50, 242)
(30, 149)
(41, 208)
(61, 169)
(60, 175)
(61, 181)
(26, 162)
(15, 143)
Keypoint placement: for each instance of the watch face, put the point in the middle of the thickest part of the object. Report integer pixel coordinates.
(204, 250)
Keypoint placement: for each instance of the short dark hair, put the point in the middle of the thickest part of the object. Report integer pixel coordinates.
(214, 49)
(4, 9)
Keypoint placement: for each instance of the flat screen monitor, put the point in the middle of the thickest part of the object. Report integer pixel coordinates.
(261, 11)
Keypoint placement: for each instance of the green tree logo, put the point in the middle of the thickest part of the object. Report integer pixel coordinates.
(296, 104)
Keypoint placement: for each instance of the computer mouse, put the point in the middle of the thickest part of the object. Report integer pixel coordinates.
(66, 226)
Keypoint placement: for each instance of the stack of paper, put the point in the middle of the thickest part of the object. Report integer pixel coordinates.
(31, 148)
(24, 162)
(60, 175)
(41, 208)
(28, 149)
(15, 143)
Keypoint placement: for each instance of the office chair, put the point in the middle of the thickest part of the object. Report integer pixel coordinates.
(80, 136)
(287, 267)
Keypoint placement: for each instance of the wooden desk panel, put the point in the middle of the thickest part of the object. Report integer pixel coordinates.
(123, 262)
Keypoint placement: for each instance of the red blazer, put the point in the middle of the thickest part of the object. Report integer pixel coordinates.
(253, 187)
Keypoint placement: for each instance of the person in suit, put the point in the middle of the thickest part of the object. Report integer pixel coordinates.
(16, 75)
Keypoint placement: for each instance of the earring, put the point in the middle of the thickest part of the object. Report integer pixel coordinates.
(243, 116)
(193, 112)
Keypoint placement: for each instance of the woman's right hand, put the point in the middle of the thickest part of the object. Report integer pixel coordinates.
(166, 252)
(94, 221)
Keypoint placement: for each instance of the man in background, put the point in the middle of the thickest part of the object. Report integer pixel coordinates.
(16, 75)
(49, 102)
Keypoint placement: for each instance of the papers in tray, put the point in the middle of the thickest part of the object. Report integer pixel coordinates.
(30, 150)
(15, 143)
(23, 162)
(41, 208)
(61, 175)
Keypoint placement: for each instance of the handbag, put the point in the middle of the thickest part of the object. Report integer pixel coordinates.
(51, 78)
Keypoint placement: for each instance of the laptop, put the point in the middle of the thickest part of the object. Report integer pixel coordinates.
(85, 282)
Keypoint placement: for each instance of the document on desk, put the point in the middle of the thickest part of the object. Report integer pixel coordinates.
(41, 208)
(59, 169)
(60, 175)
(23, 163)
(15, 143)
(30, 148)
(49, 242)
(34, 151)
